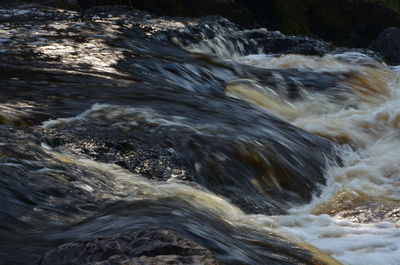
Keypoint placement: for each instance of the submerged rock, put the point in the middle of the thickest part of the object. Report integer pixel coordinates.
(152, 247)
(151, 160)
(171, 119)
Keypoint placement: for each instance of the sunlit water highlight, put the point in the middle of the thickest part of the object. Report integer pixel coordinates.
(355, 219)
(369, 172)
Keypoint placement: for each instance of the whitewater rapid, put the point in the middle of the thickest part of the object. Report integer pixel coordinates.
(368, 177)
(366, 121)
(212, 113)
(356, 218)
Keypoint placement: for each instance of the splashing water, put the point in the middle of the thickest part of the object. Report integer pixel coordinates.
(227, 123)
(356, 219)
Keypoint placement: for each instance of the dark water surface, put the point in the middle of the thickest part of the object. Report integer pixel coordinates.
(144, 134)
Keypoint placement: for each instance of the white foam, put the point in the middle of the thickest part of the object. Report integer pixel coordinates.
(350, 243)
(125, 116)
(23, 12)
(371, 167)
(396, 69)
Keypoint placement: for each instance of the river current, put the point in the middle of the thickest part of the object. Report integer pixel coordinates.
(115, 120)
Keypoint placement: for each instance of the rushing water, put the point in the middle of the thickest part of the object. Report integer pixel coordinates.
(115, 121)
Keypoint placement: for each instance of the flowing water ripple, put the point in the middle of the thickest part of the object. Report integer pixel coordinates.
(115, 120)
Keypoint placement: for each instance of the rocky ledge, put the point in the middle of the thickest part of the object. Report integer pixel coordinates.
(352, 23)
(371, 24)
(147, 247)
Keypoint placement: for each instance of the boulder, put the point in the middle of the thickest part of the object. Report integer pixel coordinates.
(353, 23)
(142, 247)
(388, 45)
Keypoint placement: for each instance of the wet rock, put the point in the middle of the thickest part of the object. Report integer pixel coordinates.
(106, 63)
(355, 23)
(372, 213)
(296, 45)
(221, 158)
(152, 247)
(152, 161)
(351, 23)
(388, 45)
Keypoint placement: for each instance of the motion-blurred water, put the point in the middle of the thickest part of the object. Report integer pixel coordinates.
(118, 121)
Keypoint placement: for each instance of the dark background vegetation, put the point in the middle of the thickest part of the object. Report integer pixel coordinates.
(352, 23)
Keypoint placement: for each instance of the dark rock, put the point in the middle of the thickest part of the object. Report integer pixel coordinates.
(152, 247)
(65, 4)
(184, 8)
(388, 45)
(295, 45)
(152, 161)
(218, 142)
(352, 23)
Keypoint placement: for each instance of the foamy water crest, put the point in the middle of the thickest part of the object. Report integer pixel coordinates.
(356, 217)
(368, 176)
(365, 183)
